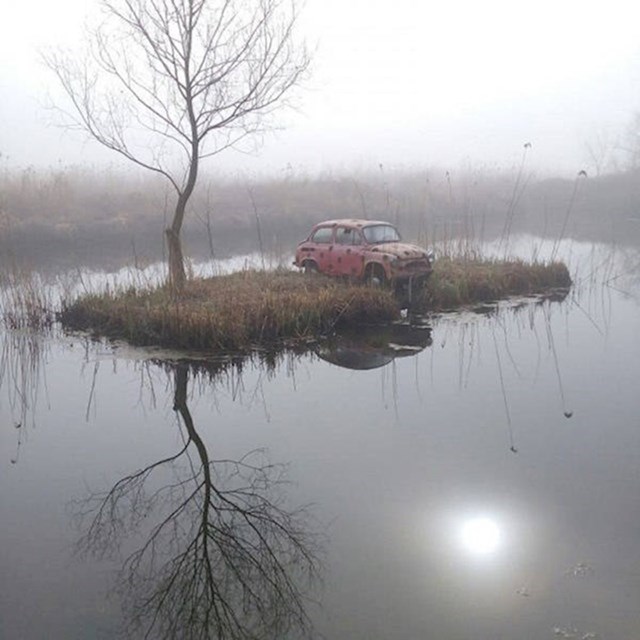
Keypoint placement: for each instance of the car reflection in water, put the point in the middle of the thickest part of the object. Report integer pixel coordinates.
(374, 347)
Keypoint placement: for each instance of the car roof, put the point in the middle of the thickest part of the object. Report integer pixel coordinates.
(351, 222)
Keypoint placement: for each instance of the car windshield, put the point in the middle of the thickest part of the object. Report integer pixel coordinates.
(381, 233)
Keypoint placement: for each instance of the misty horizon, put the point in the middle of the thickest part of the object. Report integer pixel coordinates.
(406, 85)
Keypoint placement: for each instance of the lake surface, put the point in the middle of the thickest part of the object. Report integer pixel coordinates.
(477, 476)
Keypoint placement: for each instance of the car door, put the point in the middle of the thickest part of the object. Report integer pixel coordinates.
(347, 255)
(320, 249)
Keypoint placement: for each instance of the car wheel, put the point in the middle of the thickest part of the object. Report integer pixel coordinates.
(374, 276)
(310, 267)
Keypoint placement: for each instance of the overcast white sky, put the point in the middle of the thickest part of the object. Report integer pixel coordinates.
(398, 82)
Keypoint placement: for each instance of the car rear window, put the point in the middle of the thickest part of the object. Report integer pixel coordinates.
(323, 235)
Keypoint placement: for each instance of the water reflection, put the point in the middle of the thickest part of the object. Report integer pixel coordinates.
(481, 536)
(374, 347)
(23, 356)
(463, 539)
(217, 551)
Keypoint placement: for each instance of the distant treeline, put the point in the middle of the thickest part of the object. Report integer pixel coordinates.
(76, 216)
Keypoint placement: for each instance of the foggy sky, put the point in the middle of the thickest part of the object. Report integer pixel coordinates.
(398, 82)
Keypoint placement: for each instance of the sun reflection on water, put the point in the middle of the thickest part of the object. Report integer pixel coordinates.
(481, 536)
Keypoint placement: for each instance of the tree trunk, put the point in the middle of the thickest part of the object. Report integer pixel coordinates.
(177, 274)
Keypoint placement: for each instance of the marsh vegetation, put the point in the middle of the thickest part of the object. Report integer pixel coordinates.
(71, 215)
(84, 217)
(264, 308)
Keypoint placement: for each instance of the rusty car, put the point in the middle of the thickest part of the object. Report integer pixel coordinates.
(369, 250)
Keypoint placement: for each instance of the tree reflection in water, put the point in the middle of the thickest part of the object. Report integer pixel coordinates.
(220, 556)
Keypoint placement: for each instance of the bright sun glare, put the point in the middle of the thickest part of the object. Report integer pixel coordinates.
(480, 536)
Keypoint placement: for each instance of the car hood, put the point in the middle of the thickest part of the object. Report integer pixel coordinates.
(400, 250)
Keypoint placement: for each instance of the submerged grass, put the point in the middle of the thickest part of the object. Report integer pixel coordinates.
(243, 310)
(25, 301)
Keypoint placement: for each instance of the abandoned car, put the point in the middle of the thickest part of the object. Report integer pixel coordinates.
(370, 250)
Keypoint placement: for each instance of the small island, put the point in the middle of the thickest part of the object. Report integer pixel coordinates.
(253, 309)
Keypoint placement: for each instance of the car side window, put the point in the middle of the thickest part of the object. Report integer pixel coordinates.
(344, 235)
(347, 236)
(323, 235)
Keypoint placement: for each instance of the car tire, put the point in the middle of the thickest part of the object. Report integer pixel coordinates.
(374, 276)
(310, 267)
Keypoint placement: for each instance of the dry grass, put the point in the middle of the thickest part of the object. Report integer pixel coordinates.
(463, 281)
(25, 302)
(232, 312)
(243, 310)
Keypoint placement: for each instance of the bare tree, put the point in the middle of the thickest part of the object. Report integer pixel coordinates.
(169, 83)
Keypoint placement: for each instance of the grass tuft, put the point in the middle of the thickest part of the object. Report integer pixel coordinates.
(458, 281)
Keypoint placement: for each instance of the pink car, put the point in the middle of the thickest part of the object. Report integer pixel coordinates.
(364, 249)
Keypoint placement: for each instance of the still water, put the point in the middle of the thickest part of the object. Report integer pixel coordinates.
(477, 476)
